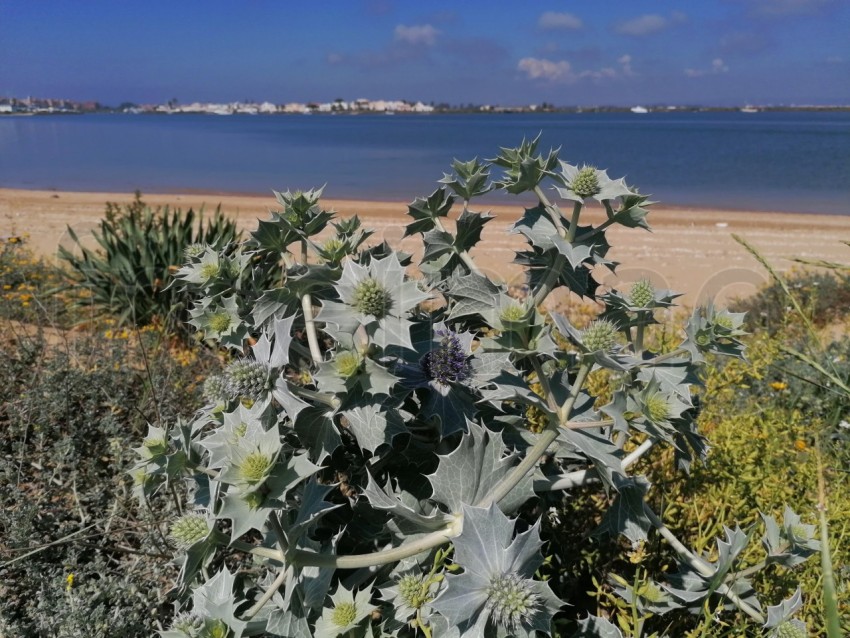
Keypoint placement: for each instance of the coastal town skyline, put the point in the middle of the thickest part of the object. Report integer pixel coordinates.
(733, 52)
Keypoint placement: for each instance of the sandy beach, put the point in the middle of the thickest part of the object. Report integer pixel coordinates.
(688, 250)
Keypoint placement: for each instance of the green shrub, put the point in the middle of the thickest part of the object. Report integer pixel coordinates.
(824, 296)
(71, 407)
(140, 248)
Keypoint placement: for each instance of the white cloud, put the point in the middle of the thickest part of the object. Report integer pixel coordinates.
(625, 62)
(562, 72)
(416, 34)
(717, 67)
(643, 25)
(552, 21)
(542, 69)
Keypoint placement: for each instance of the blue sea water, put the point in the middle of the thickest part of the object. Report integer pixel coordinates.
(786, 161)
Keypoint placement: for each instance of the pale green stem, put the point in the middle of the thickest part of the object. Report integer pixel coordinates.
(267, 596)
(664, 357)
(356, 561)
(553, 211)
(700, 565)
(544, 383)
(581, 377)
(264, 552)
(571, 233)
(312, 335)
(549, 280)
(583, 477)
(544, 440)
(596, 231)
(330, 400)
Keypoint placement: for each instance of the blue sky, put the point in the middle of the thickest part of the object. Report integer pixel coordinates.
(567, 53)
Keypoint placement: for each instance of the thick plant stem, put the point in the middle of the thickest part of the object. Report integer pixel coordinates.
(583, 477)
(571, 233)
(310, 323)
(544, 440)
(700, 565)
(264, 552)
(548, 283)
(267, 596)
(356, 561)
(553, 211)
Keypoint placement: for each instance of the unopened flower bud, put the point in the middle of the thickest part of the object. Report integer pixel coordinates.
(642, 294)
(247, 378)
(790, 629)
(189, 529)
(656, 408)
(511, 600)
(586, 183)
(600, 334)
(371, 298)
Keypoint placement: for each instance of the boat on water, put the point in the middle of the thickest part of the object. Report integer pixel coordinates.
(749, 109)
(639, 109)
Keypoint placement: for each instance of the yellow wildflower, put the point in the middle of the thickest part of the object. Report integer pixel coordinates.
(69, 582)
(779, 385)
(800, 444)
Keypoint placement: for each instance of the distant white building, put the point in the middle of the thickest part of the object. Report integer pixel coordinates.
(268, 107)
(295, 107)
(6, 108)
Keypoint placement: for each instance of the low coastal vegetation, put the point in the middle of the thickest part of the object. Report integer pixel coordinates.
(288, 434)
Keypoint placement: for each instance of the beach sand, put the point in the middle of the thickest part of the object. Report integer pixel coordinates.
(688, 250)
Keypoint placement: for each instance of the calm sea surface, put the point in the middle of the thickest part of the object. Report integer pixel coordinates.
(798, 162)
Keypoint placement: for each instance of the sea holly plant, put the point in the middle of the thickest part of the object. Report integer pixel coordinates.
(366, 464)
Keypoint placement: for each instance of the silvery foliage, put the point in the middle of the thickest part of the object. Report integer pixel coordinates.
(366, 456)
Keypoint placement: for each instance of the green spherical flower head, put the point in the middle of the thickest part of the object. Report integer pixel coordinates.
(215, 389)
(656, 408)
(220, 321)
(790, 630)
(642, 294)
(189, 529)
(208, 271)
(347, 364)
(600, 334)
(247, 379)
(344, 614)
(410, 591)
(586, 183)
(510, 600)
(371, 298)
(255, 467)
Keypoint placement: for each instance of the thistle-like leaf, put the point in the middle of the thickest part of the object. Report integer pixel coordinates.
(473, 468)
